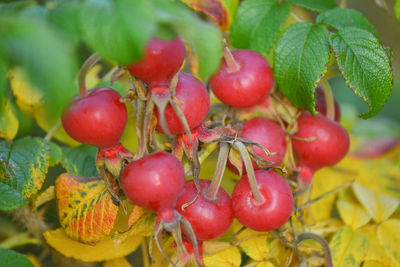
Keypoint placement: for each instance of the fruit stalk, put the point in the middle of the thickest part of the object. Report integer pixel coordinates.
(250, 172)
(330, 101)
(233, 66)
(212, 191)
(86, 67)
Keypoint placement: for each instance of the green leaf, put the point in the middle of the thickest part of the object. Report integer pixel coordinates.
(380, 207)
(258, 24)
(205, 39)
(3, 76)
(300, 60)
(10, 199)
(397, 9)
(48, 60)
(348, 247)
(117, 30)
(55, 154)
(15, 6)
(364, 65)
(11, 258)
(339, 18)
(65, 16)
(315, 5)
(80, 161)
(24, 164)
(8, 120)
(389, 238)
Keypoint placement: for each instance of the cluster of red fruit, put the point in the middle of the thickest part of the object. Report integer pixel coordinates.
(156, 181)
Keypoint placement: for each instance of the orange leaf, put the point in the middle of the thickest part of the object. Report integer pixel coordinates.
(85, 208)
(221, 11)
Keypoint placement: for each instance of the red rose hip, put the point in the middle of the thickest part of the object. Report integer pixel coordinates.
(97, 118)
(269, 214)
(209, 218)
(162, 60)
(244, 84)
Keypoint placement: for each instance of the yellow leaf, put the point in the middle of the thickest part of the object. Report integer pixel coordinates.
(33, 259)
(389, 238)
(45, 121)
(85, 208)
(375, 253)
(374, 264)
(229, 257)
(102, 251)
(142, 225)
(348, 247)
(380, 175)
(8, 120)
(44, 197)
(212, 247)
(92, 78)
(256, 248)
(380, 207)
(118, 262)
(265, 264)
(28, 97)
(352, 214)
(324, 180)
(129, 138)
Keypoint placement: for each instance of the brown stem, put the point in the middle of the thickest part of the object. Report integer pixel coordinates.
(86, 67)
(212, 191)
(259, 198)
(330, 101)
(321, 241)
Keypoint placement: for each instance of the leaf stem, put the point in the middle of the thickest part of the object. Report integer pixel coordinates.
(52, 131)
(333, 191)
(330, 101)
(321, 241)
(212, 190)
(259, 198)
(87, 65)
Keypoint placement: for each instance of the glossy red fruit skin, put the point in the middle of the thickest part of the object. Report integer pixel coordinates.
(195, 101)
(268, 134)
(154, 181)
(331, 145)
(96, 119)
(209, 219)
(320, 103)
(247, 86)
(162, 60)
(273, 212)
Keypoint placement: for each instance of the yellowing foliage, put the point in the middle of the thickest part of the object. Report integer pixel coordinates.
(102, 251)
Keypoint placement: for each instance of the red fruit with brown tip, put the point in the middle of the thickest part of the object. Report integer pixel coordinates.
(269, 214)
(162, 60)
(209, 218)
(320, 142)
(245, 86)
(194, 101)
(97, 118)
